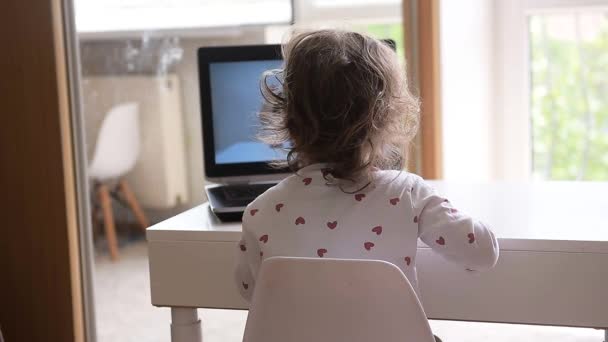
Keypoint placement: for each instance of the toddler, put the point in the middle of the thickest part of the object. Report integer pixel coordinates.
(345, 111)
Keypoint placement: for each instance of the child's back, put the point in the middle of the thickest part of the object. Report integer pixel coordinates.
(345, 110)
(304, 217)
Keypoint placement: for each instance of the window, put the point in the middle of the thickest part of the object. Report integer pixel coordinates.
(523, 84)
(381, 19)
(568, 103)
(325, 11)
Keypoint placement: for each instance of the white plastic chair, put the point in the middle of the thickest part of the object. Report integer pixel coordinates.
(116, 153)
(117, 146)
(337, 300)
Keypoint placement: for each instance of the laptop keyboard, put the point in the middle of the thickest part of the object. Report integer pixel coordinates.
(247, 192)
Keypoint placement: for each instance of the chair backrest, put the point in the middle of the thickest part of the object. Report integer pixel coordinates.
(117, 146)
(337, 300)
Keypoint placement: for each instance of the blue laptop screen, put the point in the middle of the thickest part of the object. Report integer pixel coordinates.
(236, 100)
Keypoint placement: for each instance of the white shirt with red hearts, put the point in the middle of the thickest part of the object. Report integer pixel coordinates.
(304, 216)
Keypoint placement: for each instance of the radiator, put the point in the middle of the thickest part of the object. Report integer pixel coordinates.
(159, 178)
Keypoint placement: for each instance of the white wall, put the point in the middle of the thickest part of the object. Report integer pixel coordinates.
(467, 86)
(512, 159)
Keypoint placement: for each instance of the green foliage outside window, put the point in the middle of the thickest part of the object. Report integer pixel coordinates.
(569, 98)
(392, 31)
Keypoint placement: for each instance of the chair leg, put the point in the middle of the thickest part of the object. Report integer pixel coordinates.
(133, 204)
(108, 220)
(94, 214)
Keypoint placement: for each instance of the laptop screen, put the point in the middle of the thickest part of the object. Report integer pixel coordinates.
(236, 101)
(229, 79)
(231, 100)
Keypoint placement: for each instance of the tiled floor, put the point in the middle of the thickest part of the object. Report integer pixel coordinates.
(124, 312)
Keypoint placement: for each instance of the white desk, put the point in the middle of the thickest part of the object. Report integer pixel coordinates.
(553, 267)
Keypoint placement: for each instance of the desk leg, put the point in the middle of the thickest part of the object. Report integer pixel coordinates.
(185, 325)
(605, 335)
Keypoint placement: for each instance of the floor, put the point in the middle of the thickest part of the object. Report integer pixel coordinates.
(124, 312)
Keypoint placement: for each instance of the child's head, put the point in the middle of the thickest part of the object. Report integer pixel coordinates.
(344, 101)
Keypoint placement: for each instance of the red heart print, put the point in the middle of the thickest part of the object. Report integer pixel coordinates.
(253, 211)
(279, 206)
(264, 238)
(368, 245)
(408, 260)
(359, 197)
(243, 248)
(471, 237)
(300, 220)
(245, 286)
(307, 180)
(416, 219)
(394, 201)
(377, 230)
(321, 252)
(332, 225)
(440, 241)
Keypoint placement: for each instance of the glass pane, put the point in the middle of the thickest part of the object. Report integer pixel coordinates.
(569, 106)
(144, 66)
(142, 118)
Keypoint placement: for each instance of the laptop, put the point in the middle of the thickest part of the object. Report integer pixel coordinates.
(236, 163)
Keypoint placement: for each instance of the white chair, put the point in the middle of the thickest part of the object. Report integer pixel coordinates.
(337, 300)
(116, 153)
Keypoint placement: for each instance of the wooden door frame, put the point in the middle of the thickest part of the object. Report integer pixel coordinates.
(41, 294)
(80, 166)
(421, 27)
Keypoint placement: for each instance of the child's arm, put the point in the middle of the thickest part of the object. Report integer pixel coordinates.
(247, 250)
(451, 233)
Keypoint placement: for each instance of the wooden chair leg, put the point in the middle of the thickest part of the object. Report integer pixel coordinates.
(94, 215)
(129, 196)
(108, 220)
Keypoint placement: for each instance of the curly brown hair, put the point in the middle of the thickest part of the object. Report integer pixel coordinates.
(344, 101)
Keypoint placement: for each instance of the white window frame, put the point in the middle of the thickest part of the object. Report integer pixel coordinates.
(312, 12)
(512, 124)
(184, 18)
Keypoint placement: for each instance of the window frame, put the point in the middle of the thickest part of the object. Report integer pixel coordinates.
(513, 124)
(181, 29)
(310, 12)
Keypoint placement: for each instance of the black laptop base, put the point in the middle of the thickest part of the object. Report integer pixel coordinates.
(228, 202)
(229, 217)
